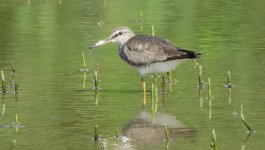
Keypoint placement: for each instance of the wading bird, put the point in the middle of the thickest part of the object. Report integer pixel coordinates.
(149, 54)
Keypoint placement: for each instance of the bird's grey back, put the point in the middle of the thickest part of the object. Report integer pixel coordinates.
(144, 50)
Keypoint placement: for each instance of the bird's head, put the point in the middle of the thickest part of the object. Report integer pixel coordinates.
(119, 35)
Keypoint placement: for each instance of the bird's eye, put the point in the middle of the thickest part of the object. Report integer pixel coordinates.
(120, 33)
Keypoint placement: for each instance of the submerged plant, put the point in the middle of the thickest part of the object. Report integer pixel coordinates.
(210, 98)
(229, 83)
(201, 97)
(3, 107)
(96, 97)
(13, 144)
(169, 75)
(96, 133)
(144, 88)
(17, 122)
(140, 20)
(244, 121)
(144, 94)
(97, 68)
(84, 66)
(153, 30)
(200, 77)
(214, 141)
(3, 82)
(96, 81)
(84, 60)
(153, 102)
(209, 89)
(166, 133)
(116, 135)
(153, 97)
(16, 88)
(13, 69)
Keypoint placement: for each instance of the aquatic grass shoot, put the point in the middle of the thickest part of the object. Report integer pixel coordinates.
(144, 93)
(229, 83)
(153, 102)
(140, 20)
(3, 82)
(153, 96)
(84, 66)
(156, 97)
(13, 69)
(210, 98)
(144, 88)
(229, 93)
(153, 30)
(3, 107)
(214, 141)
(200, 85)
(169, 87)
(116, 135)
(97, 68)
(13, 74)
(166, 133)
(96, 97)
(100, 23)
(209, 89)
(17, 124)
(84, 61)
(210, 108)
(201, 97)
(84, 80)
(13, 144)
(244, 121)
(169, 75)
(163, 85)
(247, 138)
(96, 81)
(16, 89)
(195, 63)
(169, 81)
(96, 133)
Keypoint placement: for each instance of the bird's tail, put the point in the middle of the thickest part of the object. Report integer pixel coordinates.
(190, 54)
(196, 55)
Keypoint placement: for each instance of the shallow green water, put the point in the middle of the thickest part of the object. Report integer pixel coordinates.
(45, 40)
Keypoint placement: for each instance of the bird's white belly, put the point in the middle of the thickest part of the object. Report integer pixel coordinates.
(160, 67)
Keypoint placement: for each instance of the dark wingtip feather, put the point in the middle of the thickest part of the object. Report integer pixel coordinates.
(196, 55)
(191, 54)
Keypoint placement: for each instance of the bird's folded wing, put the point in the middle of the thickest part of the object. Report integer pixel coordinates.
(144, 50)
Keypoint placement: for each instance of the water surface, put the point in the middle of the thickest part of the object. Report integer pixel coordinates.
(45, 39)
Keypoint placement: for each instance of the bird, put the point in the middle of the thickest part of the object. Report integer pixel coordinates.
(148, 54)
